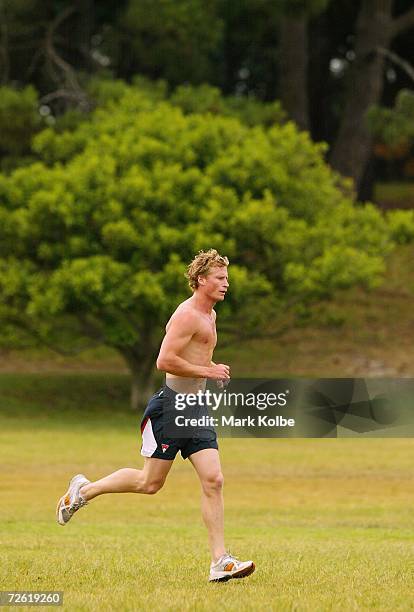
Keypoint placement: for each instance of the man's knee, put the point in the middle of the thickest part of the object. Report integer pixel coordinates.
(152, 486)
(213, 482)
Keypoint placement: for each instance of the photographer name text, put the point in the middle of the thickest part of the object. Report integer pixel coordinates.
(232, 421)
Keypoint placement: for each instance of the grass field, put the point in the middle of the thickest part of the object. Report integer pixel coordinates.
(329, 523)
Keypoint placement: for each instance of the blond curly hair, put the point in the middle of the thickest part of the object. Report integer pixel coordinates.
(201, 265)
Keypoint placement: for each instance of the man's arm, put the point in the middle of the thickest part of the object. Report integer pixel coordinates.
(179, 334)
(213, 312)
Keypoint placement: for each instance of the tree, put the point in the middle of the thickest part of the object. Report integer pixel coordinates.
(54, 46)
(341, 31)
(19, 121)
(393, 132)
(178, 41)
(207, 99)
(244, 47)
(375, 30)
(94, 238)
(394, 126)
(294, 57)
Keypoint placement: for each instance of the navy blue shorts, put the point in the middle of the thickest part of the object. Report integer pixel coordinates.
(158, 438)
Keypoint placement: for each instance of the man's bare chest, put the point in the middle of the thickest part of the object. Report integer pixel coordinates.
(206, 334)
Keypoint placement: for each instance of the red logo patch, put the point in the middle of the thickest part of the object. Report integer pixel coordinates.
(164, 447)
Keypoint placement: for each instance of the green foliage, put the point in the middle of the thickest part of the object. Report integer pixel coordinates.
(190, 98)
(19, 120)
(177, 40)
(99, 232)
(394, 126)
(208, 99)
(104, 90)
(401, 224)
(60, 144)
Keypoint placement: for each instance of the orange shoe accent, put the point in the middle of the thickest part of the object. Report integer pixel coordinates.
(67, 499)
(228, 567)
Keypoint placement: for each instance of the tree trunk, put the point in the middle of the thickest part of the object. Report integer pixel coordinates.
(142, 368)
(352, 148)
(4, 51)
(142, 387)
(293, 66)
(84, 30)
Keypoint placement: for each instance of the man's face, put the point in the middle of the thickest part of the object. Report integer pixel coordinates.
(215, 284)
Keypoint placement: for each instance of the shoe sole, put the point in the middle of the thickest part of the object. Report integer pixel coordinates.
(62, 523)
(247, 571)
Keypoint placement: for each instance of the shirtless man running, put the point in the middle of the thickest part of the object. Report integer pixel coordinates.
(186, 358)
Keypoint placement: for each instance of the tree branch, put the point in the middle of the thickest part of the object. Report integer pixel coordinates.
(59, 94)
(90, 328)
(33, 62)
(399, 61)
(41, 340)
(402, 23)
(71, 88)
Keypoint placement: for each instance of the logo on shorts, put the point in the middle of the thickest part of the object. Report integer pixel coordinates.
(165, 447)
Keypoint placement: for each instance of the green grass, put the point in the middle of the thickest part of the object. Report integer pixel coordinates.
(329, 523)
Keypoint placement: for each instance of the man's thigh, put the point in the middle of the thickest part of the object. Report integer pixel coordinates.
(206, 462)
(156, 470)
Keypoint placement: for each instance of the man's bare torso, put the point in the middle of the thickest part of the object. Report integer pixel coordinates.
(199, 350)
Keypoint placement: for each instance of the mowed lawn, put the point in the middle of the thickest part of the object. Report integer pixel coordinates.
(329, 523)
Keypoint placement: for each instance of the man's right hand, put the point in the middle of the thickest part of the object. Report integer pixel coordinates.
(219, 371)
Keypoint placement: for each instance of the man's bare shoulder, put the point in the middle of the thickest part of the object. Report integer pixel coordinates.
(185, 314)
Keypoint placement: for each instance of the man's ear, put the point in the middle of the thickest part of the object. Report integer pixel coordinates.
(201, 280)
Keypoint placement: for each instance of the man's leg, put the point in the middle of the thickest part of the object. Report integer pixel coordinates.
(207, 465)
(224, 566)
(149, 480)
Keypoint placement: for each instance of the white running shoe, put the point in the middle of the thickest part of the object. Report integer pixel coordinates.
(228, 567)
(72, 500)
